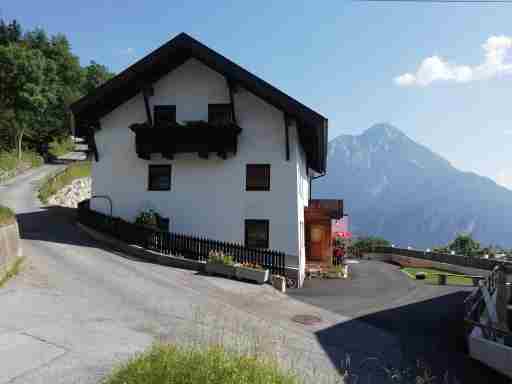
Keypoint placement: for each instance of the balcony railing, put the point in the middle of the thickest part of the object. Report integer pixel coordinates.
(330, 207)
(219, 137)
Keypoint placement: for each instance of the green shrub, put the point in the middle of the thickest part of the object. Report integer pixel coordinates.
(218, 257)
(32, 158)
(6, 216)
(59, 147)
(9, 160)
(149, 217)
(169, 364)
(55, 183)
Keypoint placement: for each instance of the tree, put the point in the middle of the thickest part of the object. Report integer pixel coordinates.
(464, 245)
(39, 78)
(10, 33)
(94, 75)
(370, 242)
(27, 88)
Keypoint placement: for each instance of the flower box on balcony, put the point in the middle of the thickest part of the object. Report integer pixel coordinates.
(259, 276)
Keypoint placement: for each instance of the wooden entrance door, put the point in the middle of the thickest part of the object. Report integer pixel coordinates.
(316, 242)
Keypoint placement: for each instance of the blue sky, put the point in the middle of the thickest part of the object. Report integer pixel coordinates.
(340, 58)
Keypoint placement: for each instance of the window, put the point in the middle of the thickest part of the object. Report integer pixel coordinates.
(220, 113)
(256, 233)
(257, 177)
(159, 178)
(164, 114)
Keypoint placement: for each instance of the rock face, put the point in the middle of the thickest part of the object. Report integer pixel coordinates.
(398, 189)
(71, 195)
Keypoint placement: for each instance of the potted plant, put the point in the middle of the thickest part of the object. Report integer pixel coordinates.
(335, 272)
(220, 264)
(252, 272)
(147, 218)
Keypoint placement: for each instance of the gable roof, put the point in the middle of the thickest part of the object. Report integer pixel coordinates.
(89, 109)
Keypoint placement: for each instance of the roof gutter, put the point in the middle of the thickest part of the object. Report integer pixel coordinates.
(314, 178)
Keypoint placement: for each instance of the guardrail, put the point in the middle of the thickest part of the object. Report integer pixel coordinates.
(463, 261)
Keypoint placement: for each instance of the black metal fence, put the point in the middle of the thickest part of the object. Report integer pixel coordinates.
(167, 243)
(463, 261)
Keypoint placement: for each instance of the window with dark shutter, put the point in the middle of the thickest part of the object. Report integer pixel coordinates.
(159, 178)
(256, 233)
(257, 177)
(164, 114)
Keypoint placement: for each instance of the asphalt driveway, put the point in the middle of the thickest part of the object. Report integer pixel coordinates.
(78, 308)
(425, 319)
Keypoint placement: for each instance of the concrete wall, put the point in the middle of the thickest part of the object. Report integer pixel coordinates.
(406, 261)
(10, 244)
(207, 197)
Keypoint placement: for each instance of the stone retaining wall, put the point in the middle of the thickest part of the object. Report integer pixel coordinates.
(10, 244)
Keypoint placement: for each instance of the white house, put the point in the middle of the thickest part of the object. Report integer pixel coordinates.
(200, 140)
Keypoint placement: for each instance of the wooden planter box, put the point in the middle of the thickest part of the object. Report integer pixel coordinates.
(220, 269)
(259, 276)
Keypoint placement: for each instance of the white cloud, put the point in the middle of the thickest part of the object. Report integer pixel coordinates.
(435, 68)
(127, 51)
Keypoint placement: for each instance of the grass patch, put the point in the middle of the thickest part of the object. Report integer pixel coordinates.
(9, 160)
(170, 364)
(56, 182)
(431, 273)
(60, 147)
(6, 216)
(12, 271)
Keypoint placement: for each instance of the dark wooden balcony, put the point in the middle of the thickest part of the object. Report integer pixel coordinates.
(332, 208)
(218, 135)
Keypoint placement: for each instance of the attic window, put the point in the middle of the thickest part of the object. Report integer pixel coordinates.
(164, 114)
(220, 113)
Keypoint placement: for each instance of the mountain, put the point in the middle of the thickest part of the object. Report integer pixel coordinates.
(398, 189)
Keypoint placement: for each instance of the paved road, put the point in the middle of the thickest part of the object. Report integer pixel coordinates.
(426, 319)
(77, 309)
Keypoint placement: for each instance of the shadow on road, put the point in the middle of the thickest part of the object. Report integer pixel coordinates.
(54, 224)
(430, 330)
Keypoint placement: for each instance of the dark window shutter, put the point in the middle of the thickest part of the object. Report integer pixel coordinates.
(257, 233)
(159, 178)
(257, 177)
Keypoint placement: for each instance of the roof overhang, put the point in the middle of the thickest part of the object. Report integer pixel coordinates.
(89, 109)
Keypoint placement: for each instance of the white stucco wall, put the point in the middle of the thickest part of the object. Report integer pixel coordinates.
(207, 197)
